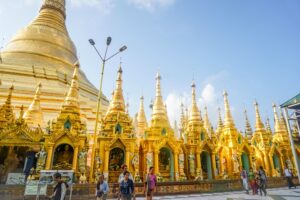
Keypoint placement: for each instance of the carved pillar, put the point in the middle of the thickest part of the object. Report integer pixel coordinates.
(272, 166)
(282, 162)
(49, 157)
(198, 157)
(267, 164)
(176, 171)
(127, 159)
(106, 160)
(156, 162)
(214, 167)
(75, 158)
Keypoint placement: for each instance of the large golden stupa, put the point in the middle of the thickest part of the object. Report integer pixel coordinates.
(43, 52)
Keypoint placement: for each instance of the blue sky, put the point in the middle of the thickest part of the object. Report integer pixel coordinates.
(248, 47)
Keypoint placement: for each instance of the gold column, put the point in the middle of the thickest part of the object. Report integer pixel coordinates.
(106, 157)
(127, 153)
(199, 160)
(156, 169)
(229, 162)
(49, 157)
(176, 168)
(267, 164)
(214, 167)
(75, 158)
(272, 165)
(282, 162)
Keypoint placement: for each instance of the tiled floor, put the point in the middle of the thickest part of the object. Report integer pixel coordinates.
(273, 194)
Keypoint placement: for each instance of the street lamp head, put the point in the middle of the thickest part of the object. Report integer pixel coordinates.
(108, 41)
(123, 48)
(92, 42)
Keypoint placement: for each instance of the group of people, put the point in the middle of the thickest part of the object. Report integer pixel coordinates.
(258, 180)
(126, 185)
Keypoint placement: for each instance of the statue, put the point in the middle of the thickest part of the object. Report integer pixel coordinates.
(135, 162)
(236, 164)
(64, 158)
(11, 162)
(41, 159)
(199, 176)
(82, 161)
(82, 178)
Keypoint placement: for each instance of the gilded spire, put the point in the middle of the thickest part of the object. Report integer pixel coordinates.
(228, 121)
(117, 103)
(259, 126)
(6, 111)
(248, 129)
(195, 114)
(276, 119)
(282, 120)
(141, 118)
(159, 110)
(220, 122)
(34, 116)
(268, 127)
(71, 99)
(207, 124)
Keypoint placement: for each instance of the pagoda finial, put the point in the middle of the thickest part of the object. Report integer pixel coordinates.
(117, 103)
(141, 118)
(6, 111)
(207, 124)
(259, 126)
(248, 129)
(34, 116)
(158, 106)
(58, 5)
(72, 95)
(268, 127)
(276, 119)
(220, 122)
(228, 121)
(282, 121)
(195, 114)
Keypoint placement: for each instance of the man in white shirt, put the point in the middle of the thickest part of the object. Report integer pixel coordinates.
(121, 176)
(289, 177)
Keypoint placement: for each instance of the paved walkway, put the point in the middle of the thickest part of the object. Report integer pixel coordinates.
(273, 194)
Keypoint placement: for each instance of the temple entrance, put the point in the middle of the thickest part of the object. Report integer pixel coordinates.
(206, 165)
(276, 163)
(166, 164)
(116, 160)
(245, 161)
(63, 157)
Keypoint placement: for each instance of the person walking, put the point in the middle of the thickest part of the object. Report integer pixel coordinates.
(60, 189)
(262, 181)
(121, 176)
(102, 188)
(244, 177)
(253, 185)
(150, 184)
(289, 177)
(126, 187)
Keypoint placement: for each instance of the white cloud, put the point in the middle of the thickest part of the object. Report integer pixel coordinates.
(151, 5)
(208, 94)
(173, 102)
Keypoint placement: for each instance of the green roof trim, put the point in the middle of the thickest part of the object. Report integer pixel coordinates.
(293, 101)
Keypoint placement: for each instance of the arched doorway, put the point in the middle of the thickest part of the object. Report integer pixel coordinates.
(63, 157)
(166, 164)
(116, 160)
(206, 165)
(245, 161)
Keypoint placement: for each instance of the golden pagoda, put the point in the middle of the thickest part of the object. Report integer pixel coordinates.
(43, 52)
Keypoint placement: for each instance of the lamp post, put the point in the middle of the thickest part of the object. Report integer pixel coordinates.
(104, 60)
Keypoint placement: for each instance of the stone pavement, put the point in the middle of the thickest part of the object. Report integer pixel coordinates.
(273, 194)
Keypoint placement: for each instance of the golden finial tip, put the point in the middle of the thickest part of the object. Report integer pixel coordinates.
(142, 97)
(274, 105)
(193, 84)
(158, 76)
(225, 93)
(77, 64)
(120, 70)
